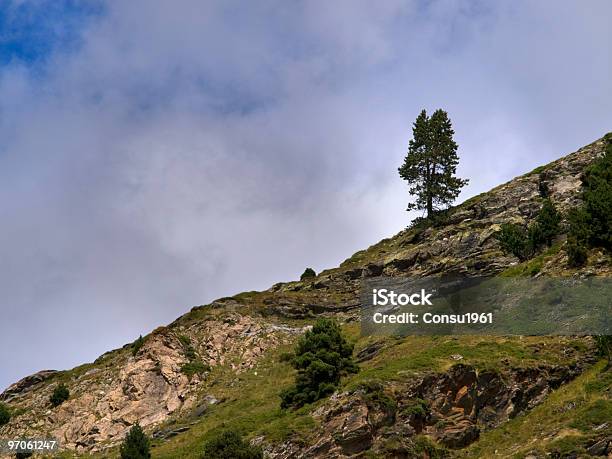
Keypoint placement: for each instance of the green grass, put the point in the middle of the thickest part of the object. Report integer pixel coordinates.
(194, 367)
(533, 266)
(414, 355)
(251, 402)
(537, 170)
(251, 405)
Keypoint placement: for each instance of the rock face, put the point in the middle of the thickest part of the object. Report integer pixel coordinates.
(465, 243)
(463, 401)
(451, 407)
(26, 384)
(148, 387)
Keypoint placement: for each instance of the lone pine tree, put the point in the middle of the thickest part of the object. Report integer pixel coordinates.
(431, 163)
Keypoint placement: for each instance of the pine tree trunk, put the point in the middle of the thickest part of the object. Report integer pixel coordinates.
(430, 178)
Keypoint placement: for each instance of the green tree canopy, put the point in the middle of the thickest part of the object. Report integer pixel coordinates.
(136, 444)
(431, 163)
(597, 197)
(60, 395)
(322, 356)
(591, 223)
(308, 273)
(548, 221)
(5, 415)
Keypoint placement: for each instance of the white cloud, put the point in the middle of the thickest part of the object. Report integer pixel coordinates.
(185, 153)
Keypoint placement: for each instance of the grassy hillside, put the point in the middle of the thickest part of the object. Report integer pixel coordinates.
(250, 402)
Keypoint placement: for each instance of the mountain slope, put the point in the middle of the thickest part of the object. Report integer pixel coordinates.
(218, 365)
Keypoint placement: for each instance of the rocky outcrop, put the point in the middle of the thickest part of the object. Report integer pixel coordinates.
(461, 243)
(25, 385)
(452, 408)
(147, 387)
(464, 242)
(463, 401)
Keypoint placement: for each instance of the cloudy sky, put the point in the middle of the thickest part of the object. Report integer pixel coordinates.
(155, 155)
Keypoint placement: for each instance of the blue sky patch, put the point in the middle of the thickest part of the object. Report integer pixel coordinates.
(31, 31)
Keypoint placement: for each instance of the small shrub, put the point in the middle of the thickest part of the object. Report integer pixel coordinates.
(308, 273)
(514, 239)
(190, 352)
(604, 347)
(576, 253)
(5, 415)
(533, 267)
(438, 219)
(548, 221)
(135, 445)
(597, 197)
(185, 340)
(416, 408)
(591, 224)
(60, 395)
(375, 397)
(543, 188)
(194, 367)
(136, 345)
(524, 243)
(229, 444)
(580, 224)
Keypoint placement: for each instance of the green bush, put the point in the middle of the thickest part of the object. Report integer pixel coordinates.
(188, 348)
(416, 407)
(375, 396)
(136, 345)
(135, 445)
(547, 223)
(514, 239)
(194, 367)
(524, 243)
(597, 197)
(576, 253)
(604, 347)
(5, 415)
(60, 395)
(229, 444)
(580, 226)
(308, 273)
(591, 224)
(322, 357)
